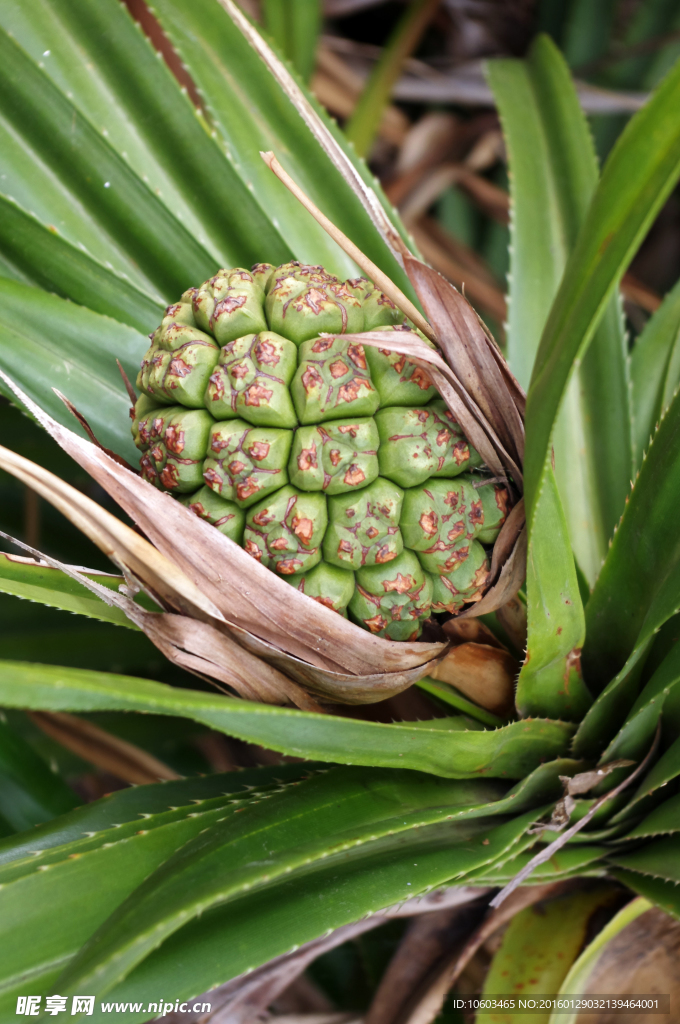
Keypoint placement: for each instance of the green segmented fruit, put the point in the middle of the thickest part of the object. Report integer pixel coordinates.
(335, 465)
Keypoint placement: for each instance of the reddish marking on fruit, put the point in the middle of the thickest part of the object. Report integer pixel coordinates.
(169, 477)
(197, 508)
(350, 513)
(143, 429)
(239, 370)
(438, 545)
(443, 437)
(421, 378)
(376, 624)
(327, 602)
(354, 476)
(357, 355)
(402, 584)
(502, 500)
(267, 354)
(322, 344)
(235, 467)
(307, 459)
(476, 513)
(174, 439)
(303, 528)
(148, 468)
(157, 426)
(247, 488)
(429, 522)
(349, 391)
(384, 554)
(156, 453)
(456, 558)
(173, 310)
(218, 443)
(460, 452)
(400, 364)
(223, 520)
(212, 479)
(335, 456)
(449, 585)
(481, 577)
(289, 566)
(344, 548)
(392, 530)
(559, 630)
(256, 394)
(263, 517)
(372, 532)
(311, 379)
(279, 545)
(227, 306)
(456, 531)
(259, 450)
(349, 428)
(423, 416)
(178, 368)
(253, 550)
(217, 389)
(338, 369)
(313, 299)
(451, 499)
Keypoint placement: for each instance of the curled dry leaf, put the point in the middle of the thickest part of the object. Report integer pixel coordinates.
(577, 785)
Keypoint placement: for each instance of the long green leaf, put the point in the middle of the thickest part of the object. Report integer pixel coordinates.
(362, 125)
(264, 923)
(29, 792)
(550, 682)
(658, 859)
(47, 342)
(47, 915)
(553, 175)
(639, 586)
(102, 818)
(55, 264)
(635, 736)
(95, 54)
(665, 894)
(452, 752)
(120, 202)
(664, 771)
(53, 587)
(655, 370)
(294, 25)
(337, 818)
(663, 820)
(639, 174)
(253, 108)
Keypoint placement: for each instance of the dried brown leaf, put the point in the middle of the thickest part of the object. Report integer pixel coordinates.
(467, 348)
(427, 1003)
(110, 753)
